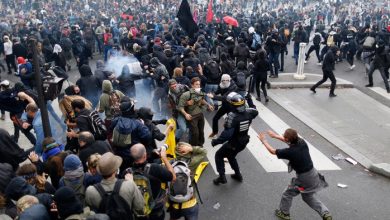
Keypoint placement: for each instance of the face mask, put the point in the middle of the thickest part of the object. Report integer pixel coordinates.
(197, 90)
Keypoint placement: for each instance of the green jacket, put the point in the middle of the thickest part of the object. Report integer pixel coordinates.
(194, 158)
(197, 107)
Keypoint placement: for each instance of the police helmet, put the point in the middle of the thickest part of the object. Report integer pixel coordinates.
(235, 99)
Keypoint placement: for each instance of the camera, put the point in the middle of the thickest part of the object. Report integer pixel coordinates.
(158, 150)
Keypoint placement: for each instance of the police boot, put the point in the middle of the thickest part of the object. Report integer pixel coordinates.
(237, 177)
(221, 179)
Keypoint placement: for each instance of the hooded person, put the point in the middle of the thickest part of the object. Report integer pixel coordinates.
(10, 151)
(109, 104)
(35, 212)
(74, 176)
(161, 76)
(89, 85)
(19, 187)
(59, 57)
(127, 131)
(99, 71)
(69, 206)
(126, 80)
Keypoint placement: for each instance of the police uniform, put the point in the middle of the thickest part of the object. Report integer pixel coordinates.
(234, 137)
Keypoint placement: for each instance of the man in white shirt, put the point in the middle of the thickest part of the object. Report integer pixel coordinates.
(9, 56)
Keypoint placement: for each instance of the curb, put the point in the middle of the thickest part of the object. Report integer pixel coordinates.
(380, 168)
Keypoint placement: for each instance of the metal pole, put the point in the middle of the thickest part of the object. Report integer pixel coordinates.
(38, 80)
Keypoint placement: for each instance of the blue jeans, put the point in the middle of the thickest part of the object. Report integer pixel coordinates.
(188, 214)
(182, 126)
(106, 49)
(211, 88)
(296, 53)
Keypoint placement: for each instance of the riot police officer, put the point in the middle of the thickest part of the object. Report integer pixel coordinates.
(234, 137)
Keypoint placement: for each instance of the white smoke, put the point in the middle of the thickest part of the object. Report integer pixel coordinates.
(115, 64)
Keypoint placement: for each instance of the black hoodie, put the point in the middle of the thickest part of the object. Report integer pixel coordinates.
(89, 85)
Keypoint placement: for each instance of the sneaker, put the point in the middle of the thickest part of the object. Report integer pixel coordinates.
(313, 90)
(282, 215)
(268, 85)
(272, 76)
(220, 180)
(237, 177)
(305, 61)
(212, 135)
(319, 64)
(266, 100)
(258, 99)
(353, 67)
(327, 216)
(332, 95)
(2, 117)
(369, 85)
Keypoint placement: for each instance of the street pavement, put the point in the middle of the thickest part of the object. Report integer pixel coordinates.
(353, 112)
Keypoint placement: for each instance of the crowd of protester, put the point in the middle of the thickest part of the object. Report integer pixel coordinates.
(110, 142)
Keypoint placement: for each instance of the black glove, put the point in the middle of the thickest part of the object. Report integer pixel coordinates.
(214, 142)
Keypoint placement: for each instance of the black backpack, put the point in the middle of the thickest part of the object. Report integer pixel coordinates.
(113, 204)
(98, 129)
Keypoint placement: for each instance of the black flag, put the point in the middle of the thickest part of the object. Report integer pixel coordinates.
(186, 20)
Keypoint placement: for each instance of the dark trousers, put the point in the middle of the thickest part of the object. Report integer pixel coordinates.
(159, 94)
(263, 83)
(227, 151)
(350, 58)
(311, 49)
(10, 60)
(371, 71)
(274, 58)
(221, 111)
(327, 75)
(18, 127)
(282, 53)
(196, 126)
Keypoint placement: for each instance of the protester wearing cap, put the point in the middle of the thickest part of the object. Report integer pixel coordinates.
(25, 72)
(74, 176)
(108, 166)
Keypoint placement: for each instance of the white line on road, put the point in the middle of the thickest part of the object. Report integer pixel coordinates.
(320, 161)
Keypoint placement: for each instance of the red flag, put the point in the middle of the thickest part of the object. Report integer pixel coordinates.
(210, 14)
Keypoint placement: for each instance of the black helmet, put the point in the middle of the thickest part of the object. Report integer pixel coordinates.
(145, 113)
(235, 99)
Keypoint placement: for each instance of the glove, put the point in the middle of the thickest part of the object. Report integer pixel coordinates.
(286, 52)
(214, 142)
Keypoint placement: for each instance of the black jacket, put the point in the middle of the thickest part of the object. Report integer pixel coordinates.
(99, 147)
(329, 61)
(89, 85)
(241, 52)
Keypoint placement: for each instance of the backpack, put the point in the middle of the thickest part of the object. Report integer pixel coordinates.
(78, 188)
(330, 41)
(119, 139)
(98, 129)
(140, 178)
(66, 43)
(369, 42)
(317, 39)
(241, 80)
(114, 205)
(114, 101)
(182, 189)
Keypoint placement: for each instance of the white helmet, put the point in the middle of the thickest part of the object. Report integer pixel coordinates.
(251, 30)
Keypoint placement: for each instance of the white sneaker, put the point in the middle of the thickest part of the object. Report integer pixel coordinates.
(353, 67)
(319, 64)
(305, 61)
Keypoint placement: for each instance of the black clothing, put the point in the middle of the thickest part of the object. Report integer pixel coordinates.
(82, 120)
(10, 152)
(99, 147)
(298, 156)
(19, 50)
